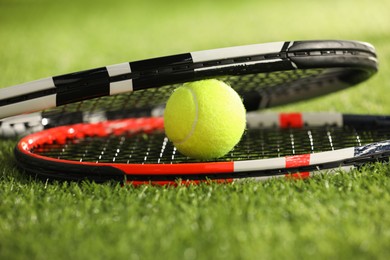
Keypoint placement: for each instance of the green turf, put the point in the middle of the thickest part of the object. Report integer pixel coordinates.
(343, 216)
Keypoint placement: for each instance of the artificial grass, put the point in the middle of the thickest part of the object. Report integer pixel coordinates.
(339, 216)
(344, 216)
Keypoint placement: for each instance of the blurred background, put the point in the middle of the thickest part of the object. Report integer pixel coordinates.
(342, 217)
(41, 38)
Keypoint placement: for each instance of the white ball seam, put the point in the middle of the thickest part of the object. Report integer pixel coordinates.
(194, 123)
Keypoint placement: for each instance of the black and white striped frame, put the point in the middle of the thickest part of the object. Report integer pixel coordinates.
(353, 61)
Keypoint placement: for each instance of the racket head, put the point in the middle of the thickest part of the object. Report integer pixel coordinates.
(265, 75)
(137, 151)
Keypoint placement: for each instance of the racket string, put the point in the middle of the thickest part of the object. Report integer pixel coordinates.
(137, 102)
(255, 144)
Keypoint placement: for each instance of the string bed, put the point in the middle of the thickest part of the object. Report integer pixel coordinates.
(154, 147)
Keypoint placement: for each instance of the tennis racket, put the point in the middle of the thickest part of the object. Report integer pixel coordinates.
(20, 125)
(137, 151)
(265, 75)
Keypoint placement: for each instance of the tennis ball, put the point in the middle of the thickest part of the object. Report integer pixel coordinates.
(204, 119)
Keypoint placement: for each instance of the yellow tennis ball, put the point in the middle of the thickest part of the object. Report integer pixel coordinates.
(204, 119)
